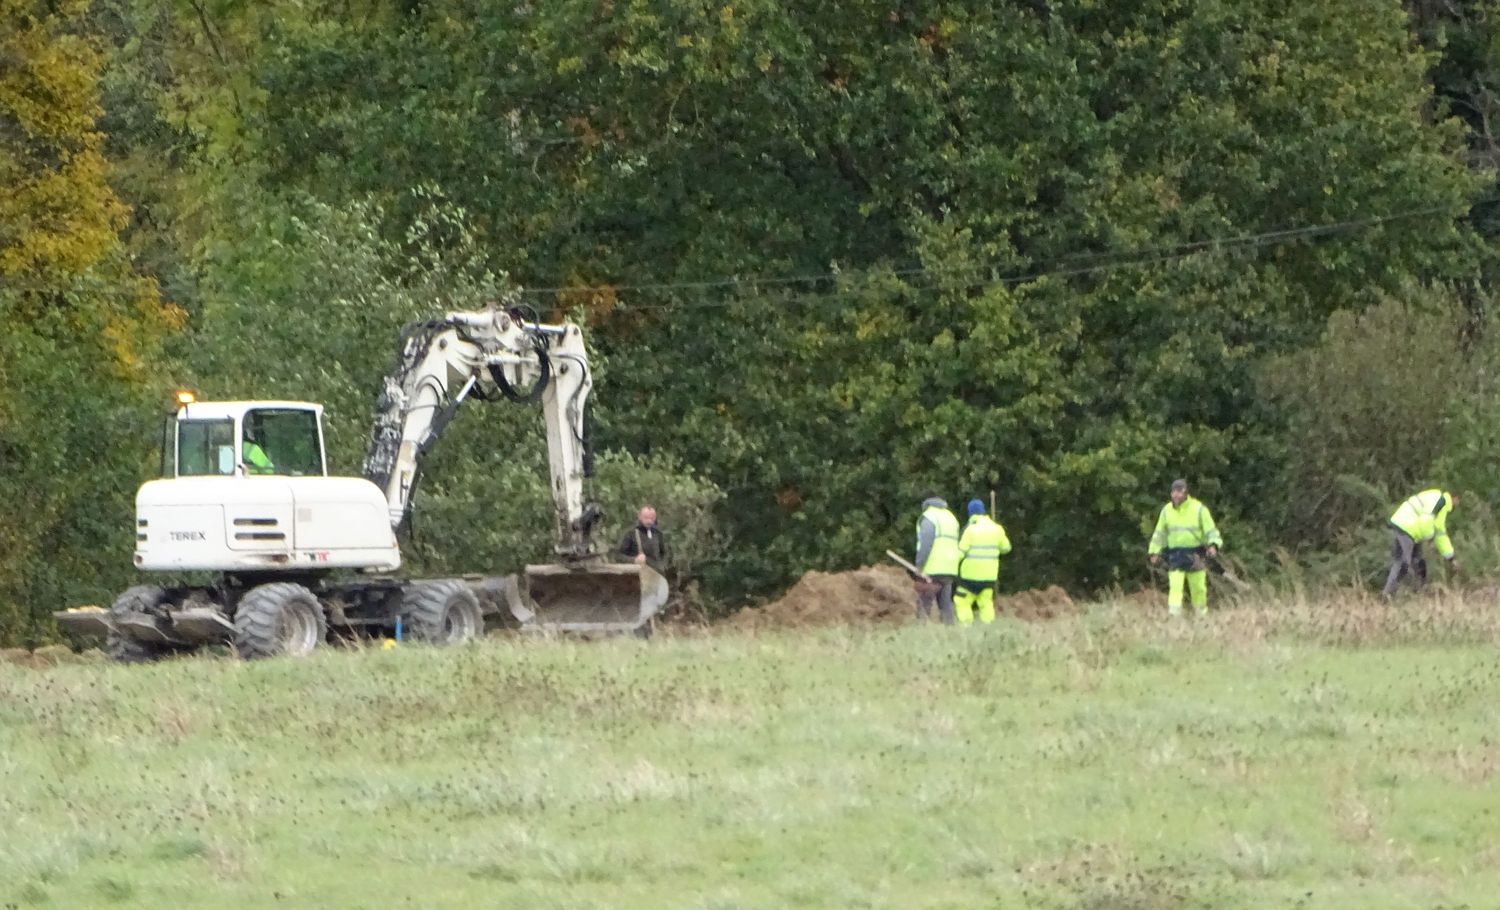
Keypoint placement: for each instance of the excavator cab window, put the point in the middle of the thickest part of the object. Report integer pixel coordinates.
(288, 438)
(205, 447)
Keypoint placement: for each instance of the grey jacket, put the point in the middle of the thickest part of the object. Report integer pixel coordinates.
(926, 530)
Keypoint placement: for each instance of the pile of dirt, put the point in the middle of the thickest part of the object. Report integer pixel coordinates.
(874, 594)
(1038, 603)
(877, 595)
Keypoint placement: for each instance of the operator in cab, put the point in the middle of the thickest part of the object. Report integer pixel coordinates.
(256, 459)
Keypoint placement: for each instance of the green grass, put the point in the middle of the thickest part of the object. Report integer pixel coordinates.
(1312, 757)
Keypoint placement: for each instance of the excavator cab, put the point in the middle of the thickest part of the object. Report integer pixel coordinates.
(224, 439)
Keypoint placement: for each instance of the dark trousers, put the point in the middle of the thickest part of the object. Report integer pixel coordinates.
(1406, 560)
(940, 590)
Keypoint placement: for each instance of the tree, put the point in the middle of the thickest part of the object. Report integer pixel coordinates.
(836, 253)
(80, 329)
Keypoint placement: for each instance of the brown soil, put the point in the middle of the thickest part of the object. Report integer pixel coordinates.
(876, 595)
(1038, 603)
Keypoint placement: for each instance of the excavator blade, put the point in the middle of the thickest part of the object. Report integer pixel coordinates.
(597, 598)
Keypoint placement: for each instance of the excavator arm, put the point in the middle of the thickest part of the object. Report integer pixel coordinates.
(490, 354)
(497, 354)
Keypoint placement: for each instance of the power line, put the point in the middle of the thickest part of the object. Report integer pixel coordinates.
(1116, 259)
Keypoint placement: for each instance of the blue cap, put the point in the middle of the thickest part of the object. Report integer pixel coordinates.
(976, 507)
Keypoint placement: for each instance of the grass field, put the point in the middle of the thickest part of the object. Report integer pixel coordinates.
(1296, 757)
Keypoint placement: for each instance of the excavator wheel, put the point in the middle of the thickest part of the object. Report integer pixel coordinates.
(280, 618)
(123, 648)
(443, 612)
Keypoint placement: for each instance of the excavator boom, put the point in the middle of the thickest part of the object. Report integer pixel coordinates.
(495, 354)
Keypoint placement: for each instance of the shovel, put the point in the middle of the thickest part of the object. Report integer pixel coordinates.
(917, 573)
(1239, 584)
(1228, 574)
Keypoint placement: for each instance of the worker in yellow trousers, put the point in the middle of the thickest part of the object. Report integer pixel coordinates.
(980, 548)
(1185, 534)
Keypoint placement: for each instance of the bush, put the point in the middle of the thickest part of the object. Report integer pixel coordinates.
(1371, 410)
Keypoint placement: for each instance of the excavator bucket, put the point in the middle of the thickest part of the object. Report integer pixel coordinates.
(85, 625)
(597, 598)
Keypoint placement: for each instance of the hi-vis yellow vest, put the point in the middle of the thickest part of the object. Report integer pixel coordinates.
(980, 549)
(1424, 517)
(943, 558)
(1187, 526)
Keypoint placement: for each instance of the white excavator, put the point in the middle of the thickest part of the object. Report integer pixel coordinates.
(297, 555)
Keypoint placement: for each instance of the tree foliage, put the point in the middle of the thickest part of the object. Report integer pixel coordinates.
(80, 327)
(835, 254)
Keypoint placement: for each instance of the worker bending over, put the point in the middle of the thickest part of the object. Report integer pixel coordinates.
(1421, 518)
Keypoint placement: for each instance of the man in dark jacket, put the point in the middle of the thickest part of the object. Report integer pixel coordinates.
(644, 543)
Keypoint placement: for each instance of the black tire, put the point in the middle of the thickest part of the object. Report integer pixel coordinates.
(443, 612)
(276, 619)
(124, 649)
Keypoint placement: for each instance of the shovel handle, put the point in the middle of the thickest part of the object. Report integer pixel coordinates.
(916, 572)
